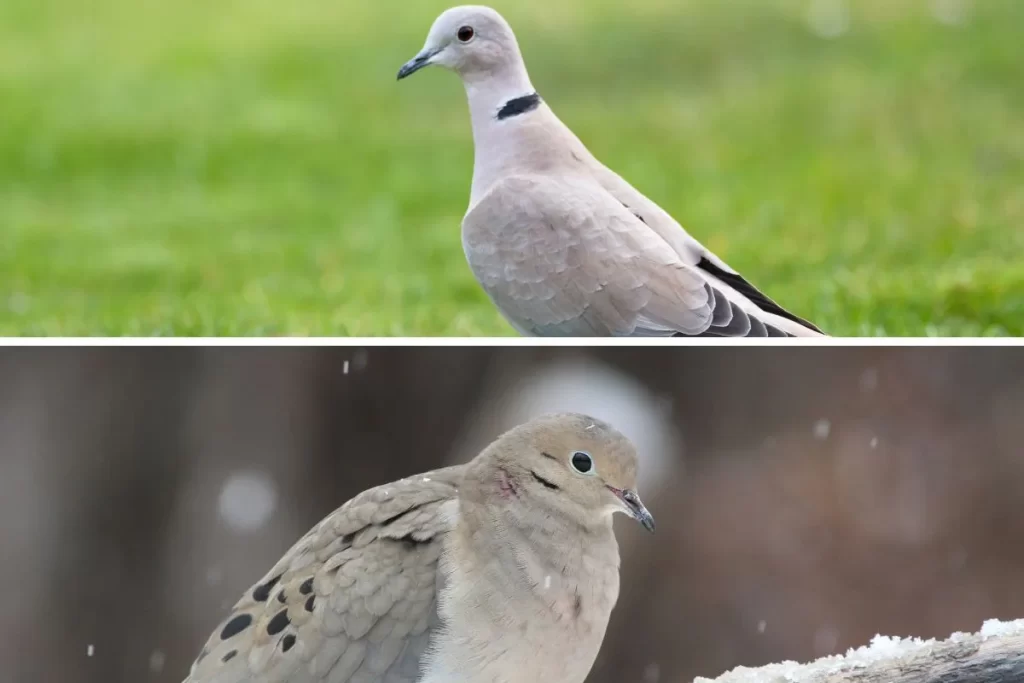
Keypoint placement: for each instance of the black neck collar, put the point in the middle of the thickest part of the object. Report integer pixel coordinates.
(519, 105)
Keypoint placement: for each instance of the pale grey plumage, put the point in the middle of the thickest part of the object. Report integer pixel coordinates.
(460, 574)
(563, 245)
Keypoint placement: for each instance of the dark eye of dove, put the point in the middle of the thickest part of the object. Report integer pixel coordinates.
(582, 462)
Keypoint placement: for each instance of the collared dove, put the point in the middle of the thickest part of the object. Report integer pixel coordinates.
(502, 570)
(561, 243)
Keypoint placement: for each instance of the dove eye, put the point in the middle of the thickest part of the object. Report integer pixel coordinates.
(465, 34)
(582, 462)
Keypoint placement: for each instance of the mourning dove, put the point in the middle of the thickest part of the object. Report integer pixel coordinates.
(562, 244)
(502, 570)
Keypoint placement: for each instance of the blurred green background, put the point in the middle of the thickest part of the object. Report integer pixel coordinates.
(251, 167)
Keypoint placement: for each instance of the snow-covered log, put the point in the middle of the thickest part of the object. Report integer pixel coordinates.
(995, 654)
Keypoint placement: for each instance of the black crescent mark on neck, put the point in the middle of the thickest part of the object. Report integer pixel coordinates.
(519, 105)
(544, 481)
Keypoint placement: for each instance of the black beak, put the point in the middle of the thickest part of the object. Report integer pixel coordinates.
(416, 63)
(635, 507)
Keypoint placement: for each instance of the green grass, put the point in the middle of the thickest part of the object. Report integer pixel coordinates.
(251, 167)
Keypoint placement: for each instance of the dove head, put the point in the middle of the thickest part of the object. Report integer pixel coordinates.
(475, 42)
(572, 467)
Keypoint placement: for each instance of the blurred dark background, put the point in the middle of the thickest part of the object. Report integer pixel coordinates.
(806, 499)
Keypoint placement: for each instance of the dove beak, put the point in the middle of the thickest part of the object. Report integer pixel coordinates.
(634, 507)
(418, 62)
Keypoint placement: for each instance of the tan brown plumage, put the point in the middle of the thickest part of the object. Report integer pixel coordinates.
(519, 537)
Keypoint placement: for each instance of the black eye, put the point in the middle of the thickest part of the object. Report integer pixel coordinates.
(466, 34)
(582, 462)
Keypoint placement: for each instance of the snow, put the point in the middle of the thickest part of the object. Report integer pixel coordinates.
(993, 628)
(89, 650)
(822, 428)
(881, 648)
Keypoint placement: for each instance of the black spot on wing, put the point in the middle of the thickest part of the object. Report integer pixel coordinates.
(519, 105)
(748, 290)
(307, 586)
(278, 623)
(261, 592)
(287, 642)
(236, 626)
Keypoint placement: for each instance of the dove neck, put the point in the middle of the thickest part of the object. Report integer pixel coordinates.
(507, 117)
(538, 540)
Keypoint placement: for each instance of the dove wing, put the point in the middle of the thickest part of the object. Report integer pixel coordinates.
(561, 257)
(353, 601)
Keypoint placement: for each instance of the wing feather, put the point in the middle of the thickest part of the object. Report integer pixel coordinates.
(353, 601)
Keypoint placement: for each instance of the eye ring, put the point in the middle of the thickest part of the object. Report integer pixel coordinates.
(582, 462)
(465, 34)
